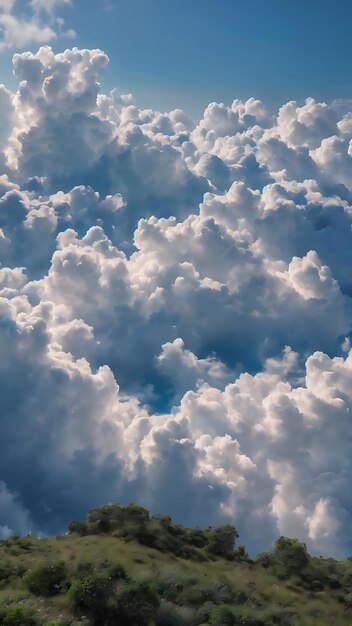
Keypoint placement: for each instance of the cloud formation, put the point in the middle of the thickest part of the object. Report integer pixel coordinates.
(175, 300)
(18, 29)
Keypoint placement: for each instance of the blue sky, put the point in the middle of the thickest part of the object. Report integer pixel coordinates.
(196, 51)
(189, 52)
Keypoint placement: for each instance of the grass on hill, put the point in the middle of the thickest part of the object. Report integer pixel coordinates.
(102, 573)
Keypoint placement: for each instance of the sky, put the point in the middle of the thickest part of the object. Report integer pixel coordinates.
(175, 265)
(185, 53)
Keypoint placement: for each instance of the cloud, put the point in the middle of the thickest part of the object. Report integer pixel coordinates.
(175, 300)
(17, 30)
(49, 6)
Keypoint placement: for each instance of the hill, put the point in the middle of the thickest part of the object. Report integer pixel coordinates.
(121, 566)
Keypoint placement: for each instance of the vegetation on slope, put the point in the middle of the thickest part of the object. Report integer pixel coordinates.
(123, 567)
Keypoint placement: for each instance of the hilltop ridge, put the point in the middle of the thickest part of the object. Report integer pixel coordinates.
(123, 566)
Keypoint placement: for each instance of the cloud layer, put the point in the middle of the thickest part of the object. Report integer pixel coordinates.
(175, 303)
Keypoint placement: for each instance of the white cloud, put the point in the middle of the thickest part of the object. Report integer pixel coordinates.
(171, 298)
(18, 33)
(49, 6)
(18, 30)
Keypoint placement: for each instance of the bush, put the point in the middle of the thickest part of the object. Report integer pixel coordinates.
(206, 609)
(137, 605)
(76, 526)
(198, 594)
(265, 559)
(115, 571)
(221, 616)
(197, 537)
(241, 554)
(17, 616)
(26, 543)
(90, 595)
(222, 541)
(285, 618)
(7, 570)
(169, 615)
(47, 580)
(291, 556)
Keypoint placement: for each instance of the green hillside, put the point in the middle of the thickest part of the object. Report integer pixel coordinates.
(123, 567)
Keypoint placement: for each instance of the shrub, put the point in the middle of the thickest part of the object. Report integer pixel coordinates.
(241, 554)
(221, 616)
(206, 609)
(222, 541)
(198, 594)
(137, 604)
(194, 595)
(291, 556)
(17, 616)
(84, 568)
(76, 526)
(7, 569)
(115, 571)
(265, 559)
(285, 618)
(197, 537)
(47, 580)
(90, 594)
(169, 615)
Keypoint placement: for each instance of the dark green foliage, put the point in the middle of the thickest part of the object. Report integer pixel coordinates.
(98, 596)
(322, 573)
(47, 580)
(206, 610)
(134, 523)
(99, 591)
(197, 537)
(290, 556)
(241, 554)
(172, 615)
(90, 595)
(77, 526)
(265, 559)
(115, 571)
(17, 616)
(284, 617)
(168, 615)
(191, 592)
(7, 570)
(221, 541)
(137, 605)
(221, 616)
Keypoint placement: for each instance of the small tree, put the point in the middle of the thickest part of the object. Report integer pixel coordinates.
(76, 526)
(222, 541)
(292, 555)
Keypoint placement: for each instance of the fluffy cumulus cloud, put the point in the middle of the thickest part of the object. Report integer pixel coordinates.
(175, 303)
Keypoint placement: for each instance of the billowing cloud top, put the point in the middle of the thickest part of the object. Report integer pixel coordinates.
(175, 303)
